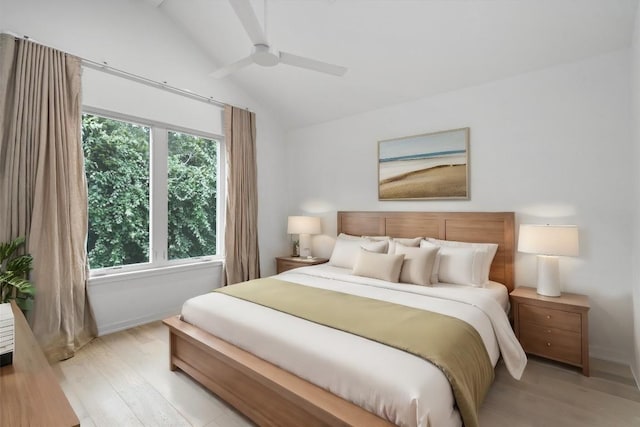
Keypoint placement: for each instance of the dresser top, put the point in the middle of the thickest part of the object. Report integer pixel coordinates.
(31, 394)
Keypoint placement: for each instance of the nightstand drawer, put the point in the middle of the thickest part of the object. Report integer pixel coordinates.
(288, 265)
(550, 317)
(285, 263)
(552, 342)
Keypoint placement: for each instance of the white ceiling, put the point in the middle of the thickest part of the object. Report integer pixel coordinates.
(399, 50)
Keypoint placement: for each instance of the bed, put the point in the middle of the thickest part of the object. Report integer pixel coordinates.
(273, 396)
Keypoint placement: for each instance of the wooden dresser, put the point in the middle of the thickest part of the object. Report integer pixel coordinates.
(284, 263)
(553, 327)
(29, 391)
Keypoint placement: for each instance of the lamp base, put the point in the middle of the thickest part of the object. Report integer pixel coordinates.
(548, 283)
(305, 245)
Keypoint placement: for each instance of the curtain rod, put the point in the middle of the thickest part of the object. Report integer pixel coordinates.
(106, 68)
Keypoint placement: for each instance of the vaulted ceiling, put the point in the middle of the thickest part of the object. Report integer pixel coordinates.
(398, 50)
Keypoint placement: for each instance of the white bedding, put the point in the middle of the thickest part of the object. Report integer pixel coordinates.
(391, 383)
(495, 290)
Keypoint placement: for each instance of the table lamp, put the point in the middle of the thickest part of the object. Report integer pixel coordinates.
(305, 226)
(548, 242)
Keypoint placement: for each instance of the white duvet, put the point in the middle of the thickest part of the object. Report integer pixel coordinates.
(391, 383)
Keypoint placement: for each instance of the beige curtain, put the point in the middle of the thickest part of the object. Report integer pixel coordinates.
(43, 194)
(241, 227)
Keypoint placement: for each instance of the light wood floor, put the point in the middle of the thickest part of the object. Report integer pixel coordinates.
(123, 379)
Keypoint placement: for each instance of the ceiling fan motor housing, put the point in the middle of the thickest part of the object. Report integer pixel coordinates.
(265, 56)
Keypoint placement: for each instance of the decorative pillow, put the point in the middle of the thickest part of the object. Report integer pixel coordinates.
(461, 266)
(377, 247)
(489, 249)
(377, 238)
(345, 236)
(412, 242)
(346, 250)
(417, 265)
(436, 263)
(378, 266)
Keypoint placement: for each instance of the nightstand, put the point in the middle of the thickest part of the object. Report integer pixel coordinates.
(285, 263)
(553, 327)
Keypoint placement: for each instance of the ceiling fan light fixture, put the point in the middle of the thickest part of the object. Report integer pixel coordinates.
(265, 56)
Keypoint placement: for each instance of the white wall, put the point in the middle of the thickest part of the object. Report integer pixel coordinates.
(121, 301)
(635, 124)
(552, 145)
(134, 36)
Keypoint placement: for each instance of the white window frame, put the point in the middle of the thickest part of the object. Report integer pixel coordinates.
(158, 195)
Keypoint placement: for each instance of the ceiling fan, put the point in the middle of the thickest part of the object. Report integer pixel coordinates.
(263, 54)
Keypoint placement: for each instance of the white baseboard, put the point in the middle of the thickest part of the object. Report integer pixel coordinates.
(130, 323)
(636, 375)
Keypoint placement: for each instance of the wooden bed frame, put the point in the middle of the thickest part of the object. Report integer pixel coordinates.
(271, 396)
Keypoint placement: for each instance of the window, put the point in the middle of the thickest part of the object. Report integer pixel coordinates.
(153, 193)
(192, 195)
(117, 167)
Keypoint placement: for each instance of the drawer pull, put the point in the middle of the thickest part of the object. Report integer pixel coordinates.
(548, 316)
(548, 344)
(548, 331)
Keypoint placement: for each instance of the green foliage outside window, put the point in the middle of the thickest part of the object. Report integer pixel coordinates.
(117, 168)
(192, 196)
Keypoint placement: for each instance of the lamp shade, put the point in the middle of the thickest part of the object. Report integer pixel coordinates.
(558, 240)
(303, 225)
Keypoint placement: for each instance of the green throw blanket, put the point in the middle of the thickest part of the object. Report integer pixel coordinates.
(451, 344)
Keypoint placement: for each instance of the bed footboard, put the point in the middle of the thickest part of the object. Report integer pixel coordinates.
(266, 394)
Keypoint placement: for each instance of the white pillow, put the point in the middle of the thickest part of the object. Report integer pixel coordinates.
(418, 264)
(489, 250)
(378, 266)
(461, 266)
(346, 250)
(436, 263)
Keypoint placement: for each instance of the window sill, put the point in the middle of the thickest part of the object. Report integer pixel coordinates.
(108, 278)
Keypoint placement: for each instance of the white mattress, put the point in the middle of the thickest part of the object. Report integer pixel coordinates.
(391, 383)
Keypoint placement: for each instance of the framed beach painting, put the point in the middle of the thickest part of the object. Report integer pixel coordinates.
(424, 167)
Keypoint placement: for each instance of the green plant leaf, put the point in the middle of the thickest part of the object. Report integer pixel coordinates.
(14, 271)
(27, 289)
(25, 304)
(7, 249)
(21, 264)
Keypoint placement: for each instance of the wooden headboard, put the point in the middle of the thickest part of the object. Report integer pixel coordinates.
(475, 227)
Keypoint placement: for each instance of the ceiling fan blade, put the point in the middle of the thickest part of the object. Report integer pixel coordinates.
(231, 68)
(312, 64)
(249, 20)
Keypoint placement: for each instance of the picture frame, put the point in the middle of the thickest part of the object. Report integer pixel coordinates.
(429, 166)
